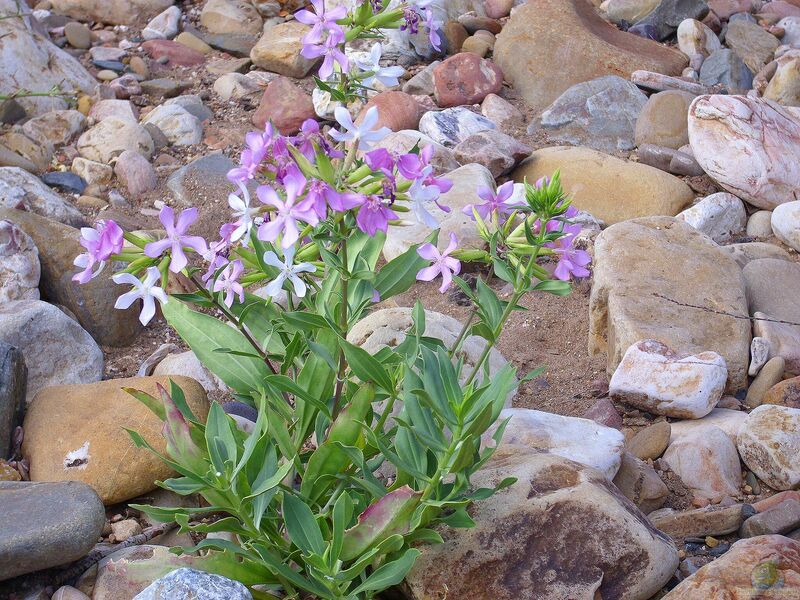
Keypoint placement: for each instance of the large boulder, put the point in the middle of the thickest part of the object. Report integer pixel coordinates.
(750, 146)
(550, 45)
(609, 188)
(77, 432)
(646, 272)
(21, 190)
(114, 12)
(30, 61)
(93, 302)
(561, 531)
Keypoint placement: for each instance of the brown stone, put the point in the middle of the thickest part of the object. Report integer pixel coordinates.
(781, 518)
(176, 53)
(278, 50)
(700, 522)
(396, 110)
(465, 78)
(640, 484)
(286, 105)
(455, 34)
(785, 393)
(650, 442)
(664, 120)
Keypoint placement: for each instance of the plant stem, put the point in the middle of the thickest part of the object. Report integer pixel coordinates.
(344, 280)
(463, 333)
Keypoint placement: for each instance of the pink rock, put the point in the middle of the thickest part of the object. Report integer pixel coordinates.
(177, 54)
(136, 173)
(286, 105)
(499, 111)
(772, 501)
(396, 110)
(494, 150)
(725, 8)
(126, 86)
(780, 9)
(605, 413)
(497, 9)
(465, 78)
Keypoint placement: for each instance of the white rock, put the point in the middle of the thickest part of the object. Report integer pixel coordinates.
(57, 350)
(769, 444)
(577, 439)
(111, 137)
(696, 38)
(233, 86)
(729, 421)
(654, 378)
(466, 180)
(784, 340)
(707, 462)
(759, 224)
(91, 171)
(719, 216)
(453, 125)
(121, 109)
(187, 363)
(791, 27)
(20, 189)
(163, 26)
(55, 128)
(231, 16)
(750, 146)
(179, 126)
(759, 355)
(786, 223)
(19, 264)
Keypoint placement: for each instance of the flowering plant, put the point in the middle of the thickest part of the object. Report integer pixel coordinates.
(334, 464)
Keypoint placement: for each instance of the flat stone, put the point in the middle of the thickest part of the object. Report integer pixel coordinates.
(174, 53)
(76, 432)
(278, 50)
(609, 188)
(600, 114)
(239, 45)
(21, 190)
(719, 216)
(650, 442)
(714, 520)
(13, 381)
(189, 584)
(637, 294)
(120, 109)
(194, 105)
(629, 11)
(660, 83)
(192, 41)
(663, 120)
(527, 536)
(724, 67)
(572, 35)
(768, 442)
(164, 87)
(46, 524)
(453, 125)
(640, 484)
(781, 518)
(111, 137)
(12, 159)
(754, 45)
(67, 182)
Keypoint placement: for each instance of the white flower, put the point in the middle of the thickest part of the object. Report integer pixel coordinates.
(363, 134)
(244, 215)
(385, 75)
(422, 195)
(146, 290)
(287, 271)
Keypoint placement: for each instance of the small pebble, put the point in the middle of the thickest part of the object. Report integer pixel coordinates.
(107, 75)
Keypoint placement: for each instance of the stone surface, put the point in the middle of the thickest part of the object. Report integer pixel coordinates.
(700, 522)
(580, 440)
(21, 190)
(663, 120)
(13, 381)
(759, 355)
(664, 20)
(466, 180)
(640, 484)
(189, 584)
(707, 463)
(726, 68)
(453, 125)
(650, 442)
(172, 53)
(768, 443)
(770, 374)
(92, 303)
(493, 149)
(278, 50)
(188, 365)
(782, 518)
(135, 173)
(772, 286)
(784, 393)
(67, 182)
(42, 332)
(600, 114)
(769, 563)
(121, 109)
(194, 105)
(115, 12)
(695, 38)
(164, 26)
(195, 43)
(202, 180)
(46, 524)
(234, 86)
(749, 251)
(784, 87)
(729, 421)
(465, 78)
(605, 413)
(55, 128)
(719, 216)
(528, 536)
(77, 432)
(500, 111)
(636, 260)
(750, 146)
(754, 45)
(21, 145)
(785, 222)
(111, 137)
(655, 378)
(19, 264)
(396, 110)
(126, 572)
(571, 34)
(180, 126)
(759, 225)
(231, 16)
(609, 188)
(286, 105)
(629, 11)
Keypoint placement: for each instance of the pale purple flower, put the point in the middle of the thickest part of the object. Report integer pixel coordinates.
(331, 51)
(228, 282)
(145, 290)
(177, 239)
(217, 254)
(284, 219)
(362, 134)
(344, 201)
(100, 243)
(443, 264)
(571, 261)
(258, 145)
(494, 202)
(374, 216)
(386, 76)
(433, 26)
(317, 198)
(321, 20)
(287, 270)
(244, 214)
(422, 196)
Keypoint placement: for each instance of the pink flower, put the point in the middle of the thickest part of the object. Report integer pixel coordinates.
(571, 261)
(494, 202)
(177, 239)
(320, 20)
(374, 216)
(257, 148)
(344, 201)
(285, 218)
(443, 264)
(100, 243)
(330, 50)
(228, 282)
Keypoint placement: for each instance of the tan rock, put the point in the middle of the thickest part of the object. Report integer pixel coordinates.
(650, 442)
(279, 48)
(744, 252)
(550, 45)
(527, 538)
(640, 484)
(114, 12)
(768, 443)
(785, 393)
(77, 433)
(609, 188)
(728, 420)
(784, 87)
(111, 137)
(663, 120)
(231, 16)
(700, 522)
(771, 373)
(638, 293)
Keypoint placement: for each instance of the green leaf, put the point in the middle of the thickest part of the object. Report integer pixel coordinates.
(204, 334)
(301, 525)
(459, 519)
(266, 482)
(276, 565)
(184, 486)
(400, 273)
(221, 442)
(365, 367)
(389, 574)
(554, 286)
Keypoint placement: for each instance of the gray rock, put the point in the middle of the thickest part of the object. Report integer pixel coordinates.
(493, 149)
(453, 125)
(65, 181)
(180, 126)
(666, 17)
(600, 113)
(422, 82)
(19, 189)
(202, 180)
(164, 87)
(11, 111)
(753, 44)
(190, 584)
(781, 518)
(19, 264)
(46, 524)
(194, 105)
(163, 26)
(726, 68)
(235, 44)
(13, 381)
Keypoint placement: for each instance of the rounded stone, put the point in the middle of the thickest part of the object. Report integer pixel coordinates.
(770, 374)
(663, 120)
(650, 442)
(19, 265)
(78, 35)
(768, 442)
(759, 225)
(785, 223)
(784, 393)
